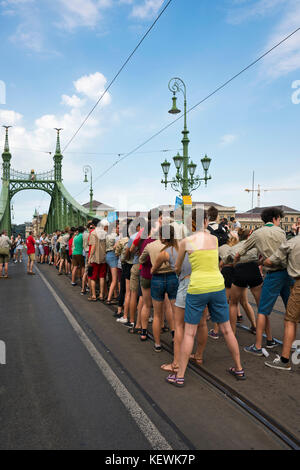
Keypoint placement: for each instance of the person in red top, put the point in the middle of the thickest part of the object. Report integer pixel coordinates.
(30, 243)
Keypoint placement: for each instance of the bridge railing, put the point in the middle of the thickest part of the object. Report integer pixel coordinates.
(25, 176)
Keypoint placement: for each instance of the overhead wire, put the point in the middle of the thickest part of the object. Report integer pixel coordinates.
(198, 104)
(118, 73)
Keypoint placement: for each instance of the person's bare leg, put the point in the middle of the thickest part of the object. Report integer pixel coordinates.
(138, 323)
(102, 287)
(235, 296)
(6, 269)
(247, 307)
(179, 333)
(261, 325)
(61, 265)
(114, 281)
(256, 292)
(157, 316)
(146, 310)
(127, 299)
(202, 336)
(169, 312)
(290, 330)
(93, 289)
(232, 344)
(186, 348)
(133, 305)
(84, 280)
(74, 272)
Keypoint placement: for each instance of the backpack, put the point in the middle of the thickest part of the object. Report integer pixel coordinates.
(220, 233)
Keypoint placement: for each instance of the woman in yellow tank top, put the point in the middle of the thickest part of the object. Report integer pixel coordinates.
(206, 288)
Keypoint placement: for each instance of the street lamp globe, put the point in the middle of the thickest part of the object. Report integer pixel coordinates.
(206, 163)
(192, 168)
(174, 109)
(178, 160)
(166, 167)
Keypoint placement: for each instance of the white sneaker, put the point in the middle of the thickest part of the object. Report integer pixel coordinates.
(122, 320)
(20, 261)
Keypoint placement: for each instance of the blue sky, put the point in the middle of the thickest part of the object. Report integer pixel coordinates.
(57, 56)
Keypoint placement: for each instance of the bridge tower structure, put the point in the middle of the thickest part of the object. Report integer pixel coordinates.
(64, 210)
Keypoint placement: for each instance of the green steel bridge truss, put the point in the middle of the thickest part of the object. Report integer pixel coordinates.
(63, 211)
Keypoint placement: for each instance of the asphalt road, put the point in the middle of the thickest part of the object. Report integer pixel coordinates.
(75, 379)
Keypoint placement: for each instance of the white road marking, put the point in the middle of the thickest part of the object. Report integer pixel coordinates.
(148, 428)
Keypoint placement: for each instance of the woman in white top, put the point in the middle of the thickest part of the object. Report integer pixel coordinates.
(19, 249)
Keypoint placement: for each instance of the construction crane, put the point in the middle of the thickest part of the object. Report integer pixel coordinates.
(259, 190)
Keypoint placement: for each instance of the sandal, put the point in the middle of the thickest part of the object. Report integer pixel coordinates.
(165, 329)
(169, 368)
(92, 299)
(135, 331)
(174, 380)
(196, 360)
(144, 335)
(238, 374)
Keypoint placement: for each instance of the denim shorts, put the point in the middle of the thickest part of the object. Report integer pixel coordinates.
(162, 284)
(182, 293)
(111, 259)
(276, 283)
(216, 302)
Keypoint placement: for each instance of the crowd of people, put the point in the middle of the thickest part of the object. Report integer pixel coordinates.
(177, 276)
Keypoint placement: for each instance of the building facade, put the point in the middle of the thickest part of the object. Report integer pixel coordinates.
(252, 219)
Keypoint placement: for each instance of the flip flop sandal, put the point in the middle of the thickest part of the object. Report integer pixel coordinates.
(92, 299)
(169, 368)
(238, 374)
(195, 360)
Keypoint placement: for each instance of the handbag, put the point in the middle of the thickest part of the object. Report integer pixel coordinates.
(4, 251)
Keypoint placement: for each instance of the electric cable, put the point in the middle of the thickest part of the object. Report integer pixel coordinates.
(198, 104)
(118, 73)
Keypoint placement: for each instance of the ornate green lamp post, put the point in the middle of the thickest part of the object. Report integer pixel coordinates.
(88, 169)
(185, 180)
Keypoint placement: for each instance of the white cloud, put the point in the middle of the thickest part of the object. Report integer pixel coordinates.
(41, 139)
(86, 13)
(249, 9)
(147, 10)
(228, 139)
(72, 101)
(93, 86)
(9, 117)
(29, 39)
(285, 58)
